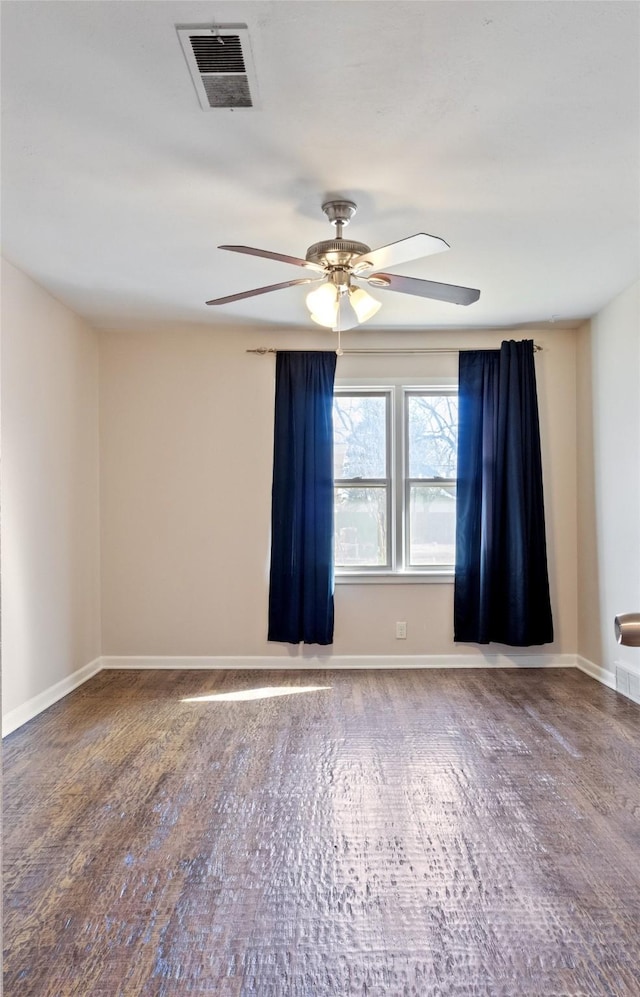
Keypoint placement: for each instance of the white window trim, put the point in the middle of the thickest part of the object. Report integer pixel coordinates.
(428, 575)
(439, 576)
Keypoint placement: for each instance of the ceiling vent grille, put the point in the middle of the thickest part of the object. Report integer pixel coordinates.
(221, 66)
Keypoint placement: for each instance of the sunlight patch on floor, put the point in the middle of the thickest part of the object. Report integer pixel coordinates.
(244, 695)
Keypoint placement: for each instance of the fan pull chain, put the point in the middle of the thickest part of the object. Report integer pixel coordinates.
(338, 330)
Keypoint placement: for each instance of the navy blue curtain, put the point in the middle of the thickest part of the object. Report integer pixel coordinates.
(301, 580)
(501, 581)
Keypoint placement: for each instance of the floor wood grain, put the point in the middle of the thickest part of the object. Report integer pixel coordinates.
(396, 833)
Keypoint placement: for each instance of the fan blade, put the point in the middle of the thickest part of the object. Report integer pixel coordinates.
(295, 260)
(411, 248)
(261, 290)
(424, 288)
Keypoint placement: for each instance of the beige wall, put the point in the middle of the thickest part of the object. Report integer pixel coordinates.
(186, 448)
(589, 619)
(609, 506)
(49, 500)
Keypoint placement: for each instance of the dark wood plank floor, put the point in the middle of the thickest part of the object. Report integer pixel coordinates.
(426, 833)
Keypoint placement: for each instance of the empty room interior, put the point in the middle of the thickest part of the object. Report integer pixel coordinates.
(320, 498)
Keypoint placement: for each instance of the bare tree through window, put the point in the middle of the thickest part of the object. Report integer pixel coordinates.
(369, 488)
(361, 475)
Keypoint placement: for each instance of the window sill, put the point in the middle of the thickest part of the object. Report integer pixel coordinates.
(443, 577)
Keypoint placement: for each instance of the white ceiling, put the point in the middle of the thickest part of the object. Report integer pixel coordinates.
(510, 129)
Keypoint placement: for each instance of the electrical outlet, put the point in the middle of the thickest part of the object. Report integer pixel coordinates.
(401, 631)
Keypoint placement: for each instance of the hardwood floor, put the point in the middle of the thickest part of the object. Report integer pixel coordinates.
(427, 833)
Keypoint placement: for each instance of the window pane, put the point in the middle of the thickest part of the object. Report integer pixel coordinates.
(359, 435)
(432, 525)
(433, 435)
(361, 526)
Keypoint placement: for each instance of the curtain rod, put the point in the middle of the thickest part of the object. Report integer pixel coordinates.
(263, 350)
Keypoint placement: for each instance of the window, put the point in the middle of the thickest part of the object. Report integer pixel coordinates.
(395, 479)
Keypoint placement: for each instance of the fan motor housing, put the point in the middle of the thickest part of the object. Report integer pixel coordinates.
(336, 252)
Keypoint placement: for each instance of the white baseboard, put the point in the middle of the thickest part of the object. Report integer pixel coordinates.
(342, 661)
(27, 711)
(596, 671)
(16, 718)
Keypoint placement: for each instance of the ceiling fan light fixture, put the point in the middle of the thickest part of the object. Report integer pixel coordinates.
(323, 304)
(363, 304)
(324, 320)
(338, 305)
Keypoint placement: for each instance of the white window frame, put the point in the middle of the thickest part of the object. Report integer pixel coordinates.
(397, 570)
(388, 482)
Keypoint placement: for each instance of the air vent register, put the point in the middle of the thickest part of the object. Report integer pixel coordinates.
(221, 66)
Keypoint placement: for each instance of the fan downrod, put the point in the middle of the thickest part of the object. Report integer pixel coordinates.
(339, 212)
(337, 253)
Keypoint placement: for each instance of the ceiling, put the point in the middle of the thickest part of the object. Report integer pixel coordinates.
(512, 130)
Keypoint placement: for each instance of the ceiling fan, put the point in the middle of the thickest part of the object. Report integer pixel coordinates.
(340, 266)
